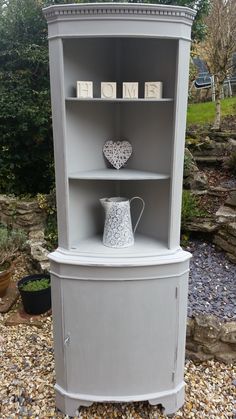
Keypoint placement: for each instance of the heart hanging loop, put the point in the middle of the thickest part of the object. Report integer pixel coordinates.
(117, 152)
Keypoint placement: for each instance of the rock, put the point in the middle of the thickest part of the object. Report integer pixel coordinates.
(223, 244)
(193, 346)
(232, 144)
(207, 328)
(218, 135)
(228, 333)
(190, 327)
(226, 214)
(216, 347)
(205, 225)
(37, 235)
(198, 356)
(39, 253)
(209, 160)
(199, 181)
(226, 357)
(231, 228)
(231, 200)
(231, 257)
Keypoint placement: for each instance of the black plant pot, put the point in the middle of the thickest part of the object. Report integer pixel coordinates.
(35, 302)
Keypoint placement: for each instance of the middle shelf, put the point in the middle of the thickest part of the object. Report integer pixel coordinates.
(114, 174)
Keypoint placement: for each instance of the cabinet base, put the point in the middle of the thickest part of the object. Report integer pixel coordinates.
(69, 403)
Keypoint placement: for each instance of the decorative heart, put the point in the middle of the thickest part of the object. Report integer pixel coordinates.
(117, 152)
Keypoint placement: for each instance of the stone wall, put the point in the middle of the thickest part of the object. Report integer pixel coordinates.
(22, 214)
(208, 338)
(27, 216)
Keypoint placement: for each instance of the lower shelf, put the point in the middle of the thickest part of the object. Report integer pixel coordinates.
(146, 251)
(143, 246)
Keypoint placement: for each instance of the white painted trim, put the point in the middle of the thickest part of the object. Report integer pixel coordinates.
(52, 12)
(144, 278)
(117, 399)
(65, 257)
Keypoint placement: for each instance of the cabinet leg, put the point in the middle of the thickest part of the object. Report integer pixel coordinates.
(70, 406)
(170, 403)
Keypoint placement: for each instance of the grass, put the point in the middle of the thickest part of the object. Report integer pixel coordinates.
(203, 113)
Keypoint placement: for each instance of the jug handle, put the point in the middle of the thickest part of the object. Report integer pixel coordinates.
(141, 212)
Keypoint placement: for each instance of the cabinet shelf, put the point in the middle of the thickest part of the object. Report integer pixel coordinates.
(122, 174)
(118, 100)
(144, 246)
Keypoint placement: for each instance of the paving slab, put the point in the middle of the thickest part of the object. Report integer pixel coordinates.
(10, 298)
(21, 317)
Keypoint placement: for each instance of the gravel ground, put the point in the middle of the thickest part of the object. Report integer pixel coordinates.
(27, 379)
(212, 282)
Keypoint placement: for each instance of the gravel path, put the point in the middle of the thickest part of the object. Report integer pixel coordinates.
(27, 379)
(212, 282)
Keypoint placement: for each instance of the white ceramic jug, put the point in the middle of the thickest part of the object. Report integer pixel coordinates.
(118, 231)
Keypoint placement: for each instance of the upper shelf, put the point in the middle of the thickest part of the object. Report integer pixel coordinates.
(117, 100)
(121, 174)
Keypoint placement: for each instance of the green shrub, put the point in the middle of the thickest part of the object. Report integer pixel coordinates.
(11, 241)
(48, 204)
(190, 207)
(36, 285)
(26, 152)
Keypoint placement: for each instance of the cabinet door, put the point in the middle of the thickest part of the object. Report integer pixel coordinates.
(121, 336)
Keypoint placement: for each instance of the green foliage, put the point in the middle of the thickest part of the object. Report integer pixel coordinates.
(190, 207)
(48, 204)
(11, 241)
(25, 114)
(204, 113)
(201, 7)
(36, 285)
(230, 163)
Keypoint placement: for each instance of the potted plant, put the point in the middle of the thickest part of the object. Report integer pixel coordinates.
(35, 291)
(11, 241)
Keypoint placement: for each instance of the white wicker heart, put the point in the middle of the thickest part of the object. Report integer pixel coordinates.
(117, 152)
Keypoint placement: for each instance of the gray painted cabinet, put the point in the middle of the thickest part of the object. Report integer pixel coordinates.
(119, 314)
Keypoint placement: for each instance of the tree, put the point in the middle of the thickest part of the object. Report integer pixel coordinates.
(201, 7)
(219, 46)
(25, 115)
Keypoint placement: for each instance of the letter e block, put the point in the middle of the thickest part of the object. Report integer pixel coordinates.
(130, 90)
(108, 90)
(84, 89)
(153, 90)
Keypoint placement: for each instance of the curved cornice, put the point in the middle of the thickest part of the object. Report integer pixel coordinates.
(53, 13)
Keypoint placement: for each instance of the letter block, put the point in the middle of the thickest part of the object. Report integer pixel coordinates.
(108, 90)
(153, 90)
(130, 90)
(84, 89)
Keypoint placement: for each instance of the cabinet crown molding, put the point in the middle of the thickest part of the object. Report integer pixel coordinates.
(56, 12)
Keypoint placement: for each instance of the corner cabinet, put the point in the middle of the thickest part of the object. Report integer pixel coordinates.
(119, 314)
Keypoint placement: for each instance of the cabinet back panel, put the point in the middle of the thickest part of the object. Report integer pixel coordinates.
(148, 126)
(88, 126)
(119, 60)
(154, 221)
(86, 216)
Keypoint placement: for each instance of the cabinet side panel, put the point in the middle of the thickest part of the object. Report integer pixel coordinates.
(58, 117)
(179, 142)
(182, 319)
(58, 330)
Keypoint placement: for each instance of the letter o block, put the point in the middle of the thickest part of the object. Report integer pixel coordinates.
(108, 90)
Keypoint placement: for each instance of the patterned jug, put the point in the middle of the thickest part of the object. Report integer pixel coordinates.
(118, 230)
